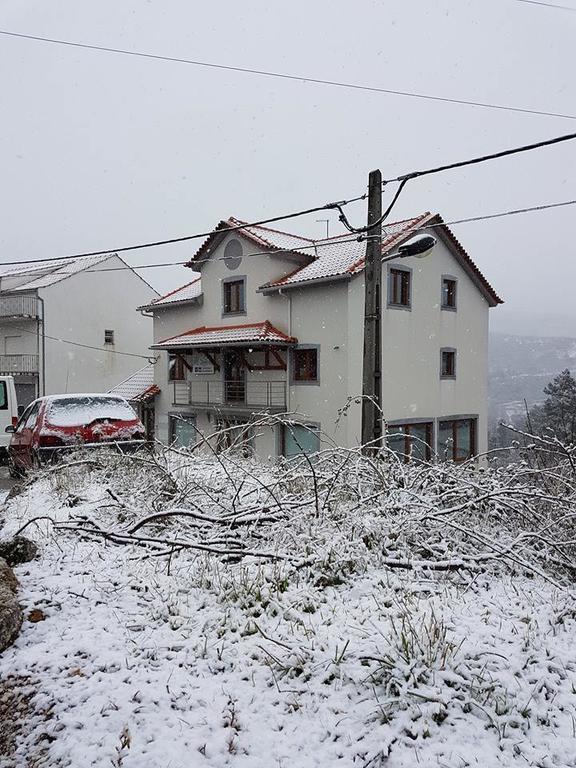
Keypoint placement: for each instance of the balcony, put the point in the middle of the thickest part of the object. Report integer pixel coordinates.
(257, 395)
(18, 307)
(18, 365)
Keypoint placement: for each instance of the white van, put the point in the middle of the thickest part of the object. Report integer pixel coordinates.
(8, 413)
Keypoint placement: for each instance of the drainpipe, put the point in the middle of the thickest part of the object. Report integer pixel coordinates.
(288, 296)
(43, 355)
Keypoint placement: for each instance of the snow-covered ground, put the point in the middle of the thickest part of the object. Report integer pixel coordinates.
(170, 662)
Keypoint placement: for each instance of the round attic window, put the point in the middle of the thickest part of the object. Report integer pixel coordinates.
(233, 254)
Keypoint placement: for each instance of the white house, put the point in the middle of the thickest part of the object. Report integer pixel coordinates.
(274, 324)
(64, 323)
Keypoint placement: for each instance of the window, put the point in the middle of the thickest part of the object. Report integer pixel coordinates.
(31, 415)
(182, 430)
(298, 439)
(447, 363)
(108, 337)
(175, 368)
(234, 296)
(233, 254)
(448, 293)
(411, 441)
(3, 396)
(399, 287)
(305, 365)
(457, 439)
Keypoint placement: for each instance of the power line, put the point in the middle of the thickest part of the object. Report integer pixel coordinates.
(343, 240)
(87, 346)
(199, 235)
(438, 169)
(287, 76)
(327, 206)
(484, 158)
(547, 5)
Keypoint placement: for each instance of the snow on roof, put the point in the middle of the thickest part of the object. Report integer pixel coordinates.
(262, 237)
(274, 238)
(252, 333)
(40, 274)
(186, 292)
(137, 387)
(342, 256)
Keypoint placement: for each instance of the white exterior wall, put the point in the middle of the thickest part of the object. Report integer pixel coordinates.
(331, 317)
(412, 340)
(209, 312)
(319, 318)
(80, 308)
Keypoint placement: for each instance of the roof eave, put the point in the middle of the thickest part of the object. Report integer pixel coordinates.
(266, 289)
(169, 304)
(212, 344)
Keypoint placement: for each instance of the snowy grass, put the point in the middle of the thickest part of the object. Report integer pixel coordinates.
(383, 616)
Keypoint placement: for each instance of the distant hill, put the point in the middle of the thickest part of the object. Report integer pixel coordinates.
(521, 366)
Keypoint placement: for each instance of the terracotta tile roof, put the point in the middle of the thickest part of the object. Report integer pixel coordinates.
(138, 387)
(262, 237)
(184, 293)
(340, 257)
(250, 333)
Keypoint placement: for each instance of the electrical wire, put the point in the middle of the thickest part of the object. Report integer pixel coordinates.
(150, 358)
(484, 158)
(547, 5)
(287, 76)
(339, 240)
(344, 219)
(197, 236)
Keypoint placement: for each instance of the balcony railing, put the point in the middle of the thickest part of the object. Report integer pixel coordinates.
(252, 394)
(18, 364)
(18, 306)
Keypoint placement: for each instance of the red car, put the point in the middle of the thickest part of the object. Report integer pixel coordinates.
(58, 422)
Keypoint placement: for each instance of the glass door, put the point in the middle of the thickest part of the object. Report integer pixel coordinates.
(234, 378)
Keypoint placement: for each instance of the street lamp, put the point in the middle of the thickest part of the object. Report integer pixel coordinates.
(419, 246)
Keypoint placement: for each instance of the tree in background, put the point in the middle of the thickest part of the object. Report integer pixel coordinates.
(557, 415)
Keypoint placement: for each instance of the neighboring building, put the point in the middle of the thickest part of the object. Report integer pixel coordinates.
(45, 306)
(140, 391)
(275, 325)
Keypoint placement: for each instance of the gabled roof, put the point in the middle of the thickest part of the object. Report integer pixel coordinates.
(138, 387)
(262, 237)
(341, 257)
(241, 335)
(41, 274)
(184, 294)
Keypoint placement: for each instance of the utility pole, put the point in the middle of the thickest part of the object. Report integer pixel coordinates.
(372, 359)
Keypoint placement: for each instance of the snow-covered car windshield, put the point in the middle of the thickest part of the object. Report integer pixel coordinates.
(76, 411)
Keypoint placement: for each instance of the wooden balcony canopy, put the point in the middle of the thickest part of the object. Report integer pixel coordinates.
(257, 335)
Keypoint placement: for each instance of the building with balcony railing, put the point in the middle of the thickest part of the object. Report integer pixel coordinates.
(272, 334)
(62, 324)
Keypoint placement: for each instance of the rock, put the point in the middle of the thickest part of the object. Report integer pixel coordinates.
(18, 550)
(10, 611)
(36, 615)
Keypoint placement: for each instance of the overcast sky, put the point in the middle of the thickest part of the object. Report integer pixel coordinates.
(100, 150)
